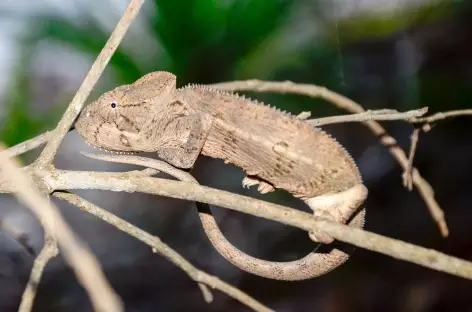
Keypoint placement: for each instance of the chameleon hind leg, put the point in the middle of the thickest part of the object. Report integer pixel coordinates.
(337, 207)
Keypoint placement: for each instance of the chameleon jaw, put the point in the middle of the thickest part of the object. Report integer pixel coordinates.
(111, 151)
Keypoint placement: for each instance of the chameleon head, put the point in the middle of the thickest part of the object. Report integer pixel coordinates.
(117, 120)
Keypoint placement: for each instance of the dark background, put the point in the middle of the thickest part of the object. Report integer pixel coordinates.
(398, 54)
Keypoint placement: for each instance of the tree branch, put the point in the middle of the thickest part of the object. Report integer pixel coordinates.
(381, 114)
(441, 116)
(48, 252)
(89, 82)
(347, 104)
(158, 246)
(28, 145)
(407, 174)
(84, 264)
(129, 182)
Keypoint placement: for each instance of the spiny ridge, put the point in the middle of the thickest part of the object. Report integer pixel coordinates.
(284, 113)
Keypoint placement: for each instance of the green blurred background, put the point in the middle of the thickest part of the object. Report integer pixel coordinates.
(383, 54)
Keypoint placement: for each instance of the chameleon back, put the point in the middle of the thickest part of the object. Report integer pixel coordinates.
(274, 146)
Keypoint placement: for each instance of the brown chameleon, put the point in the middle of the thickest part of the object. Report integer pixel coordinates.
(275, 149)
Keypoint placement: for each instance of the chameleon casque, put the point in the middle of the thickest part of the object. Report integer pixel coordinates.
(276, 150)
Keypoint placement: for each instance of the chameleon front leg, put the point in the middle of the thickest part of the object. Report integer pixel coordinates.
(191, 131)
(337, 207)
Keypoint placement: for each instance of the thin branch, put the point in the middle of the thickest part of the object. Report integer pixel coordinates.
(427, 193)
(347, 104)
(126, 182)
(29, 144)
(89, 82)
(84, 264)
(442, 115)
(154, 242)
(48, 252)
(407, 176)
(382, 114)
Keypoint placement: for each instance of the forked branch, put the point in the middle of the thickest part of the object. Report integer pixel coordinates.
(85, 265)
(89, 82)
(130, 182)
(48, 252)
(160, 247)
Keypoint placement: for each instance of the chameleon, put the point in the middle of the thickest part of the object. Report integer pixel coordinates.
(275, 149)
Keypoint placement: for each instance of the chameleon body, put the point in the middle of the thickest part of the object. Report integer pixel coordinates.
(275, 150)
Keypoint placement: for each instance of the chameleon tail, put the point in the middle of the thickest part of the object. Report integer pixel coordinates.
(310, 266)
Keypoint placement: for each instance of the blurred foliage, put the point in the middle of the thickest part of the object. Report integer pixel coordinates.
(369, 25)
(207, 41)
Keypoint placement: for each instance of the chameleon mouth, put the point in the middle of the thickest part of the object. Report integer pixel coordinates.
(111, 151)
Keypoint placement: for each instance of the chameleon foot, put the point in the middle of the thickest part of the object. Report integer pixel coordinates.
(336, 207)
(248, 182)
(263, 187)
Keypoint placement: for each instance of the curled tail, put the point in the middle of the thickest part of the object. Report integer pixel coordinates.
(312, 265)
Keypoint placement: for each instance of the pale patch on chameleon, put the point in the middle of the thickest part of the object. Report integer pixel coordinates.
(274, 148)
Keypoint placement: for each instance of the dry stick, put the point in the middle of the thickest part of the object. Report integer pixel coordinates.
(158, 246)
(407, 175)
(382, 114)
(345, 103)
(89, 82)
(131, 182)
(48, 252)
(442, 115)
(28, 145)
(82, 261)
(126, 182)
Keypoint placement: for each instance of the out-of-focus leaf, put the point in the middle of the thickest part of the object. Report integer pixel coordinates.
(186, 27)
(369, 25)
(86, 37)
(204, 34)
(18, 123)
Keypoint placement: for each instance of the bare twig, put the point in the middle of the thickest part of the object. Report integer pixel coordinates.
(130, 182)
(84, 264)
(190, 191)
(441, 116)
(29, 144)
(407, 176)
(48, 252)
(89, 82)
(347, 104)
(154, 242)
(382, 114)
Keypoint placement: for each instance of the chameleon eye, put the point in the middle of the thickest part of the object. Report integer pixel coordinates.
(113, 105)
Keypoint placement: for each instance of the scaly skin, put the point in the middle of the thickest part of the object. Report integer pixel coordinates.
(275, 150)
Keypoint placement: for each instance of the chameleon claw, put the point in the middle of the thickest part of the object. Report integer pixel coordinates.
(303, 115)
(248, 182)
(263, 187)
